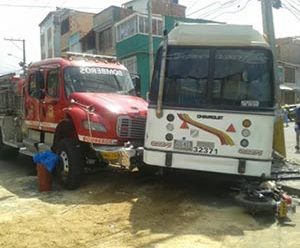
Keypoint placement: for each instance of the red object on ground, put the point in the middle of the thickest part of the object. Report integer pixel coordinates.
(286, 198)
(44, 178)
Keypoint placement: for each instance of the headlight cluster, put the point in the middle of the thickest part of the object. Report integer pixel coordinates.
(95, 126)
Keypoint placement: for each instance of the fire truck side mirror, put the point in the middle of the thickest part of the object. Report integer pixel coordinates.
(39, 77)
(137, 84)
(41, 94)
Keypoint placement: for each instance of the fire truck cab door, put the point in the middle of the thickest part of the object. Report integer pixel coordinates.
(51, 111)
(34, 94)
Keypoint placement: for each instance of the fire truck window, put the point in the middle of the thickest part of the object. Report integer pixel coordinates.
(36, 84)
(53, 83)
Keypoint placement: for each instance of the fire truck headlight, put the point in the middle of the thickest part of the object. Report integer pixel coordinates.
(94, 126)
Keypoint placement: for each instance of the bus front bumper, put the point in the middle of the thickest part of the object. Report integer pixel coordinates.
(235, 166)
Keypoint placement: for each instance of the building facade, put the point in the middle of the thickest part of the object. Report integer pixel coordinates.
(160, 7)
(133, 42)
(288, 51)
(50, 35)
(62, 30)
(104, 30)
(74, 25)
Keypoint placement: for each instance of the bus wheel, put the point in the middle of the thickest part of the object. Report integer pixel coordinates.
(70, 167)
(256, 205)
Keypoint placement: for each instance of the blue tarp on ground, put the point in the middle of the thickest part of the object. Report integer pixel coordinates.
(47, 158)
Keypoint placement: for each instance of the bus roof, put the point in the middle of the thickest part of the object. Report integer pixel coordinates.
(215, 35)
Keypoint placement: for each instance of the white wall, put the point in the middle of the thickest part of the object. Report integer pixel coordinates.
(43, 30)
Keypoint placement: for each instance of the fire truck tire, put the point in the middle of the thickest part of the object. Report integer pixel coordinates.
(70, 167)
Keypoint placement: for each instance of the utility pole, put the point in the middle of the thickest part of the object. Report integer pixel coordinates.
(150, 41)
(268, 29)
(23, 63)
(268, 25)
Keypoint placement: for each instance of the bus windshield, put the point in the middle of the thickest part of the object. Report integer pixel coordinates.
(97, 79)
(216, 77)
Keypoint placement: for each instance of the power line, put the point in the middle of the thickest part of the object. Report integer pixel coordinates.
(205, 7)
(12, 42)
(297, 3)
(193, 4)
(220, 6)
(293, 7)
(234, 12)
(291, 11)
(43, 6)
(226, 5)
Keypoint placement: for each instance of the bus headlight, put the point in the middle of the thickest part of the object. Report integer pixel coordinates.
(244, 143)
(95, 126)
(170, 127)
(246, 123)
(246, 132)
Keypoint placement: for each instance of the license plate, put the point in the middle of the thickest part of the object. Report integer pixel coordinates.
(206, 144)
(111, 156)
(186, 145)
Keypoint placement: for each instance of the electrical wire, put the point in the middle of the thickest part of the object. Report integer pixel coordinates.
(295, 14)
(293, 7)
(12, 42)
(297, 3)
(234, 12)
(225, 5)
(192, 5)
(44, 6)
(64, 2)
(203, 8)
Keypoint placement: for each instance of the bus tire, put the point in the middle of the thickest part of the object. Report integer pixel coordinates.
(255, 205)
(71, 161)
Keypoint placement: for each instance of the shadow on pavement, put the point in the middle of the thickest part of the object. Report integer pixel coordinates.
(178, 204)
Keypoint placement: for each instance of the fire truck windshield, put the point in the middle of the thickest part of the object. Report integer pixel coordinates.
(216, 77)
(97, 79)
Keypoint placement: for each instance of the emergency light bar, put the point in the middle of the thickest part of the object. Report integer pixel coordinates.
(90, 56)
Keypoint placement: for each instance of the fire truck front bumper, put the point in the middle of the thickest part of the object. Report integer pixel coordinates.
(125, 156)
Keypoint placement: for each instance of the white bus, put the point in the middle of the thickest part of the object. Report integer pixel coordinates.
(211, 103)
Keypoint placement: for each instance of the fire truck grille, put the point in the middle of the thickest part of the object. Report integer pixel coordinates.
(131, 128)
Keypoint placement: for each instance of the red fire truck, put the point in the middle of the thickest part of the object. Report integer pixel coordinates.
(83, 107)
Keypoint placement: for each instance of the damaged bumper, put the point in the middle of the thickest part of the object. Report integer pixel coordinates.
(125, 156)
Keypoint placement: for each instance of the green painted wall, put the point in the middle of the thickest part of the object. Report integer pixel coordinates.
(137, 45)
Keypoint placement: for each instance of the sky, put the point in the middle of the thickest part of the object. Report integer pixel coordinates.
(22, 22)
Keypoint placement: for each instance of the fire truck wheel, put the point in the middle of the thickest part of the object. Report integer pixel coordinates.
(70, 167)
